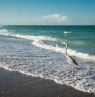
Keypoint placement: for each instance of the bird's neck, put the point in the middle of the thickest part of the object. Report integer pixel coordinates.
(66, 49)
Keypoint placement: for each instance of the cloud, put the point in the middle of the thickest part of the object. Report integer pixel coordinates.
(53, 18)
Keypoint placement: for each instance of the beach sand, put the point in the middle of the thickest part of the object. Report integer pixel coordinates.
(15, 84)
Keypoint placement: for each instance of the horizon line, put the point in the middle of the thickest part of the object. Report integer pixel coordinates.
(46, 25)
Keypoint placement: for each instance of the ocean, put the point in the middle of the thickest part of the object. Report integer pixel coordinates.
(39, 51)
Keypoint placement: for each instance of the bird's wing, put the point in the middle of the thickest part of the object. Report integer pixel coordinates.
(73, 60)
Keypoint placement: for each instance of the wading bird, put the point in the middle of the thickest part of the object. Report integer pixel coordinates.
(71, 61)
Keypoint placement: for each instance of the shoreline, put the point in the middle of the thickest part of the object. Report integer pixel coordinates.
(15, 84)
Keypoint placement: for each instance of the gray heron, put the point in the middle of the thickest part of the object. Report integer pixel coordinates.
(71, 61)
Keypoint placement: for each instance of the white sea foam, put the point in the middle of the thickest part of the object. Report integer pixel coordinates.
(62, 50)
(4, 32)
(65, 32)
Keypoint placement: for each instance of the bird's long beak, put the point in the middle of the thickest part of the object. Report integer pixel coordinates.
(64, 43)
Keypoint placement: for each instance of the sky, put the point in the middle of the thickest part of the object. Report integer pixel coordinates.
(47, 12)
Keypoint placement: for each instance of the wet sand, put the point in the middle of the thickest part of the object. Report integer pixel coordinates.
(15, 84)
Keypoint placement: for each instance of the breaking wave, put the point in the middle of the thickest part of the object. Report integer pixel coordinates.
(65, 32)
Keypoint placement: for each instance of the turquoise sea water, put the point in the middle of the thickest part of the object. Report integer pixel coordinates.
(80, 38)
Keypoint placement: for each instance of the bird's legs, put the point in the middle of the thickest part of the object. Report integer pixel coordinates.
(72, 72)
